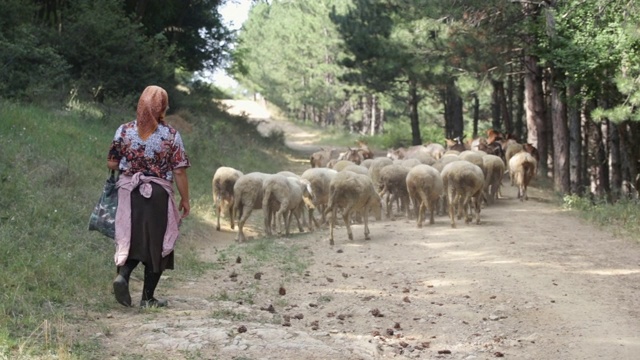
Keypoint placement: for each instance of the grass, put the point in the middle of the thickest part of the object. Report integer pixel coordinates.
(52, 171)
(621, 218)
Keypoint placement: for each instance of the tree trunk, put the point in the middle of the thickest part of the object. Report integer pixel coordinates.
(519, 126)
(374, 106)
(496, 122)
(561, 179)
(453, 111)
(575, 143)
(615, 166)
(476, 114)
(509, 128)
(504, 109)
(416, 138)
(534, 107)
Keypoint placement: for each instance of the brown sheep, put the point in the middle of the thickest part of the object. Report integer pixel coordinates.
(321, 158)
(425, 186)
(222, 183)
(352, 192)
(463, 183)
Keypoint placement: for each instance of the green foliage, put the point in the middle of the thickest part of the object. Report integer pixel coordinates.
(194, 29)
(109, 54)
(288, 52)
(29, 67)
(622, 216)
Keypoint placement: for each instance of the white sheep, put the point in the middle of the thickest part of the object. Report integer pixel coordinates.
(283, 198)
(463, 183)
(393, 180)
(320, 181)
(425, 187)
(374, 169)
(435, 150)
(358, 169)
(522, 169)
(352, 192)
(222, 184)
(247, 193)
(494, 171)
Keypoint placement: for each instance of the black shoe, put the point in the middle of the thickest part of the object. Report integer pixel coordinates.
(121, 290)
(153, 303)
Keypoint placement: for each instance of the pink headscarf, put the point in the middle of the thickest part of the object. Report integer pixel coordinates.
(152, 105)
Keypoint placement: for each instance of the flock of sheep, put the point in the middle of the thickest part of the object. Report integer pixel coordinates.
(419, 180)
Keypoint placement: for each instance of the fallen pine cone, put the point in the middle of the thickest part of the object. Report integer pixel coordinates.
(242, 329)
(282, 291)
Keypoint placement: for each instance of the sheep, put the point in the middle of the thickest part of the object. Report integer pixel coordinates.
(510, 150)
(353, 155)
(457, 144)
(435, 150)
(402, 153)
(364, 150)
(283, 197)
(308, 203)
(358, 169)
(321, 158)
(410, 162)
(342, 164)
(222, 183)
(463, 183)
(367, 163)
(522, 169)
(352, 192)
(424, 184)
(424, 158)
(319, 180)
(393, 179)
(247, 193)
(444, 160)
(494, 170)
(374, 170)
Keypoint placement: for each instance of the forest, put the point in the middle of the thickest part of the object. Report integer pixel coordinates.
(563, 76)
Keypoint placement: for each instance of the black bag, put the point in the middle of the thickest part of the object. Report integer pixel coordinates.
(103, 217)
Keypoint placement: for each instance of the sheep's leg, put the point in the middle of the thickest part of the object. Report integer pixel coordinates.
(432, 210)
(452, 215)
(421, 211)
(477, 208)
(241, 222)
(267, 220)
(296, 213)
(345, 217)
(231, 214)
(218, 209)
(332, 225)
(467, 209)
(365, 212)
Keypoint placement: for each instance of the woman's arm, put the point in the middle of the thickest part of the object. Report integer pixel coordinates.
(113, 165)
(182, 182)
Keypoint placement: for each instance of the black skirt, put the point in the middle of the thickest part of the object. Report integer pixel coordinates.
(148, 225)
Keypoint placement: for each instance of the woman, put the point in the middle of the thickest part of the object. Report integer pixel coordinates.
(149, 155)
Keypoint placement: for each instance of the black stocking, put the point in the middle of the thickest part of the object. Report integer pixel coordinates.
(151, 280)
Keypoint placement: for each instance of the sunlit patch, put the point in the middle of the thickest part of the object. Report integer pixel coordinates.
(609, 272)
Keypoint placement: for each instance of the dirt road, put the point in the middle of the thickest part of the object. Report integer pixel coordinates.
(530, 282)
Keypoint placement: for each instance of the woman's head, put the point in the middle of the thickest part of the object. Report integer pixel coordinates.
(152, 107)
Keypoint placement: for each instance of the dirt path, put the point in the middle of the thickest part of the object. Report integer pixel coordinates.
(530, 282)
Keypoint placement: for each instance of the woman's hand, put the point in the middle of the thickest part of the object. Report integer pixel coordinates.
(182, 182)
(184, 207)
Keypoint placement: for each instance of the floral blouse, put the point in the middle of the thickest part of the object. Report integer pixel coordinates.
(158, 155)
